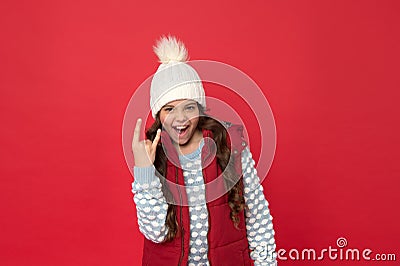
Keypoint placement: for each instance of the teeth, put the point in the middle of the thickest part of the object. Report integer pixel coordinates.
(181, 127)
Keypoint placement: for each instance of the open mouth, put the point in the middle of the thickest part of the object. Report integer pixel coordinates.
(181, 130)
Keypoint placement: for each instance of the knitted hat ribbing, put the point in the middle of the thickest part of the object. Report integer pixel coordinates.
(174, 78)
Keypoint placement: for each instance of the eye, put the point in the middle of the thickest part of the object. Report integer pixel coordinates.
(190, 107)
(168, 109)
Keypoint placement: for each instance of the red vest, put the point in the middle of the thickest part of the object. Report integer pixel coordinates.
(227, 245)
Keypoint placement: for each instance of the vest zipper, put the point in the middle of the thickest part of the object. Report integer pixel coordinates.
(182, 228)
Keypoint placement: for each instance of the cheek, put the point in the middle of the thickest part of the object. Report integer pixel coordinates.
(167, 126)
(194, 121)
(194, 117)
(164, 119)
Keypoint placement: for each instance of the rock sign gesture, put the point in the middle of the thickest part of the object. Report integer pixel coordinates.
(144, 151)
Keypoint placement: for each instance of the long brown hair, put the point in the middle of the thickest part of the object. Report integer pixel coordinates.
(223, 154)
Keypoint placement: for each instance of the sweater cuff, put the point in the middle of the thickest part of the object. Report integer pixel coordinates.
(144, 175)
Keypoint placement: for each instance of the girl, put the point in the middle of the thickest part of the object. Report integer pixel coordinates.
(198, 197)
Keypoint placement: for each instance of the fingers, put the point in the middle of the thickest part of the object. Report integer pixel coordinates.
(147, 145)
(136, 133)
(156, 139)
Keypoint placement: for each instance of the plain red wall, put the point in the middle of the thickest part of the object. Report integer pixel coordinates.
(330, 70)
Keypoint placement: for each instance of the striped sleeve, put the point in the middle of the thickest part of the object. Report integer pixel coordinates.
(260, 232)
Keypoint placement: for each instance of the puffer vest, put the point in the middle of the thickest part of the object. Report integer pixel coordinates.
(227, 245)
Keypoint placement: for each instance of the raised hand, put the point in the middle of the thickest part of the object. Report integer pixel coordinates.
(144, 151)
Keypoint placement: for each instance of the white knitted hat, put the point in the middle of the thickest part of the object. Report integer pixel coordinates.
(174, 79)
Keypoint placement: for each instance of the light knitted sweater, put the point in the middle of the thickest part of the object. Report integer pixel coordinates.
(152, 209)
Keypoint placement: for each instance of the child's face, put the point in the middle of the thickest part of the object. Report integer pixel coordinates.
(179, 118)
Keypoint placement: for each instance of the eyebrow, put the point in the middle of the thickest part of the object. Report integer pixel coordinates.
(170, 105)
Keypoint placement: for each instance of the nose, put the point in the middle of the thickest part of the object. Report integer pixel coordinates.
(180, 116)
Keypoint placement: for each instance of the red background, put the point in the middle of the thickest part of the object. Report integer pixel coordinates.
(68, 69)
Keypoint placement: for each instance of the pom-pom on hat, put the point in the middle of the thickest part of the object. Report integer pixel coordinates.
(174, 78)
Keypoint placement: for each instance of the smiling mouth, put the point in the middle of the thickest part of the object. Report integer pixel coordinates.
(180, 129)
